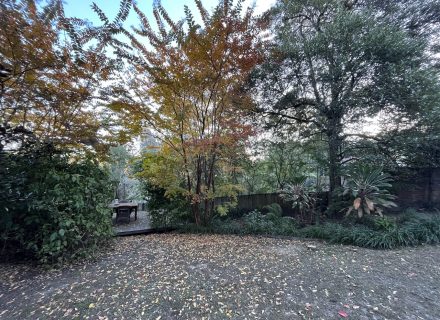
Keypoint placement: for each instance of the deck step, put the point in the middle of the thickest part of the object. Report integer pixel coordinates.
(143, 231)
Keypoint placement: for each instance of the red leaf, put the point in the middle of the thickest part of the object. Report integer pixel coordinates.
(343, 314)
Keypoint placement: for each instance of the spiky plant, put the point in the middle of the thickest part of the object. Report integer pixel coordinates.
(369, 187)
(300, 196)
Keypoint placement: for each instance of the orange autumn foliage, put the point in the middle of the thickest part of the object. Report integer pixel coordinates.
(50, 84)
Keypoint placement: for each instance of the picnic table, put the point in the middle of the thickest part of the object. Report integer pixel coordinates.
(122, 206)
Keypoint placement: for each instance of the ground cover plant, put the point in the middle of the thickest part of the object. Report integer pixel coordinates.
(409, 229)
(383, 233)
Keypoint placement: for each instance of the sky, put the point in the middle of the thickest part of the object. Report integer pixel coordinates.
(82, 8)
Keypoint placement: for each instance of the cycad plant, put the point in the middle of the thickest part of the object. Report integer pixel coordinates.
(369, 187)
(300, 196)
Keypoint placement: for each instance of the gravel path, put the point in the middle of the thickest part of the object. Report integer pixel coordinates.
(172, 276)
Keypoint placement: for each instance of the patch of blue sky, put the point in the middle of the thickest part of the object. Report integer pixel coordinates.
(83, 9)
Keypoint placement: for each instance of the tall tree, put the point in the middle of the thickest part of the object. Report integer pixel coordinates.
(334, 63)
(187, 89)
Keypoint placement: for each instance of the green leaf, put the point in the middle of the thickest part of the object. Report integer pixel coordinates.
(53, 236)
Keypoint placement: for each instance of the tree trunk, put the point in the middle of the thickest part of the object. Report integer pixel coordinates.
(198, 192)
(196, 213)
(334, 145)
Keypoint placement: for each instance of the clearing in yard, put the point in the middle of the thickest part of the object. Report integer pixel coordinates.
(175, 276)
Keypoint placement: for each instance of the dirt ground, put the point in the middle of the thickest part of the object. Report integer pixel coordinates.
(172, 276)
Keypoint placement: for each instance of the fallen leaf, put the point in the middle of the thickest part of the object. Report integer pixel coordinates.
(343, 314)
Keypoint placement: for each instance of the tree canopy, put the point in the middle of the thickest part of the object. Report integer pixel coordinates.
(49, 82)
(335, 63)
(187, 87)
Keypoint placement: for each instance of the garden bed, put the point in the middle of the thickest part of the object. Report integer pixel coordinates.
(405, 230)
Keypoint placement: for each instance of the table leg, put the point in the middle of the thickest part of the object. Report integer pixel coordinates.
(135, 214)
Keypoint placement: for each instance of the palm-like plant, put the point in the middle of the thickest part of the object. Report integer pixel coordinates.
(300, 196)
(369, 187)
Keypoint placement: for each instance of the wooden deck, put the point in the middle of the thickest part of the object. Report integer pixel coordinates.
(143, 231)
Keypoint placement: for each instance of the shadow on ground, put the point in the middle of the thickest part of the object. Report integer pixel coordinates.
(142, 223)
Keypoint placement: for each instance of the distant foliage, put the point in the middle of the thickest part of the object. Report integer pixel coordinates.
(53, 209)
(165, 207)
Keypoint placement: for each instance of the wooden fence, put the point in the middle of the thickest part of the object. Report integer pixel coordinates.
(258, 201)
(417, 188)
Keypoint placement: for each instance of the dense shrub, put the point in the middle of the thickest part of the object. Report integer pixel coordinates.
(252, 223)
(227, 226)
(424, 228)
(257, 223)
(53, 209)
(273, 209)
(238, 213)
(164, 211)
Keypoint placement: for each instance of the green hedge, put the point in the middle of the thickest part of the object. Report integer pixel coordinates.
(53, 209)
